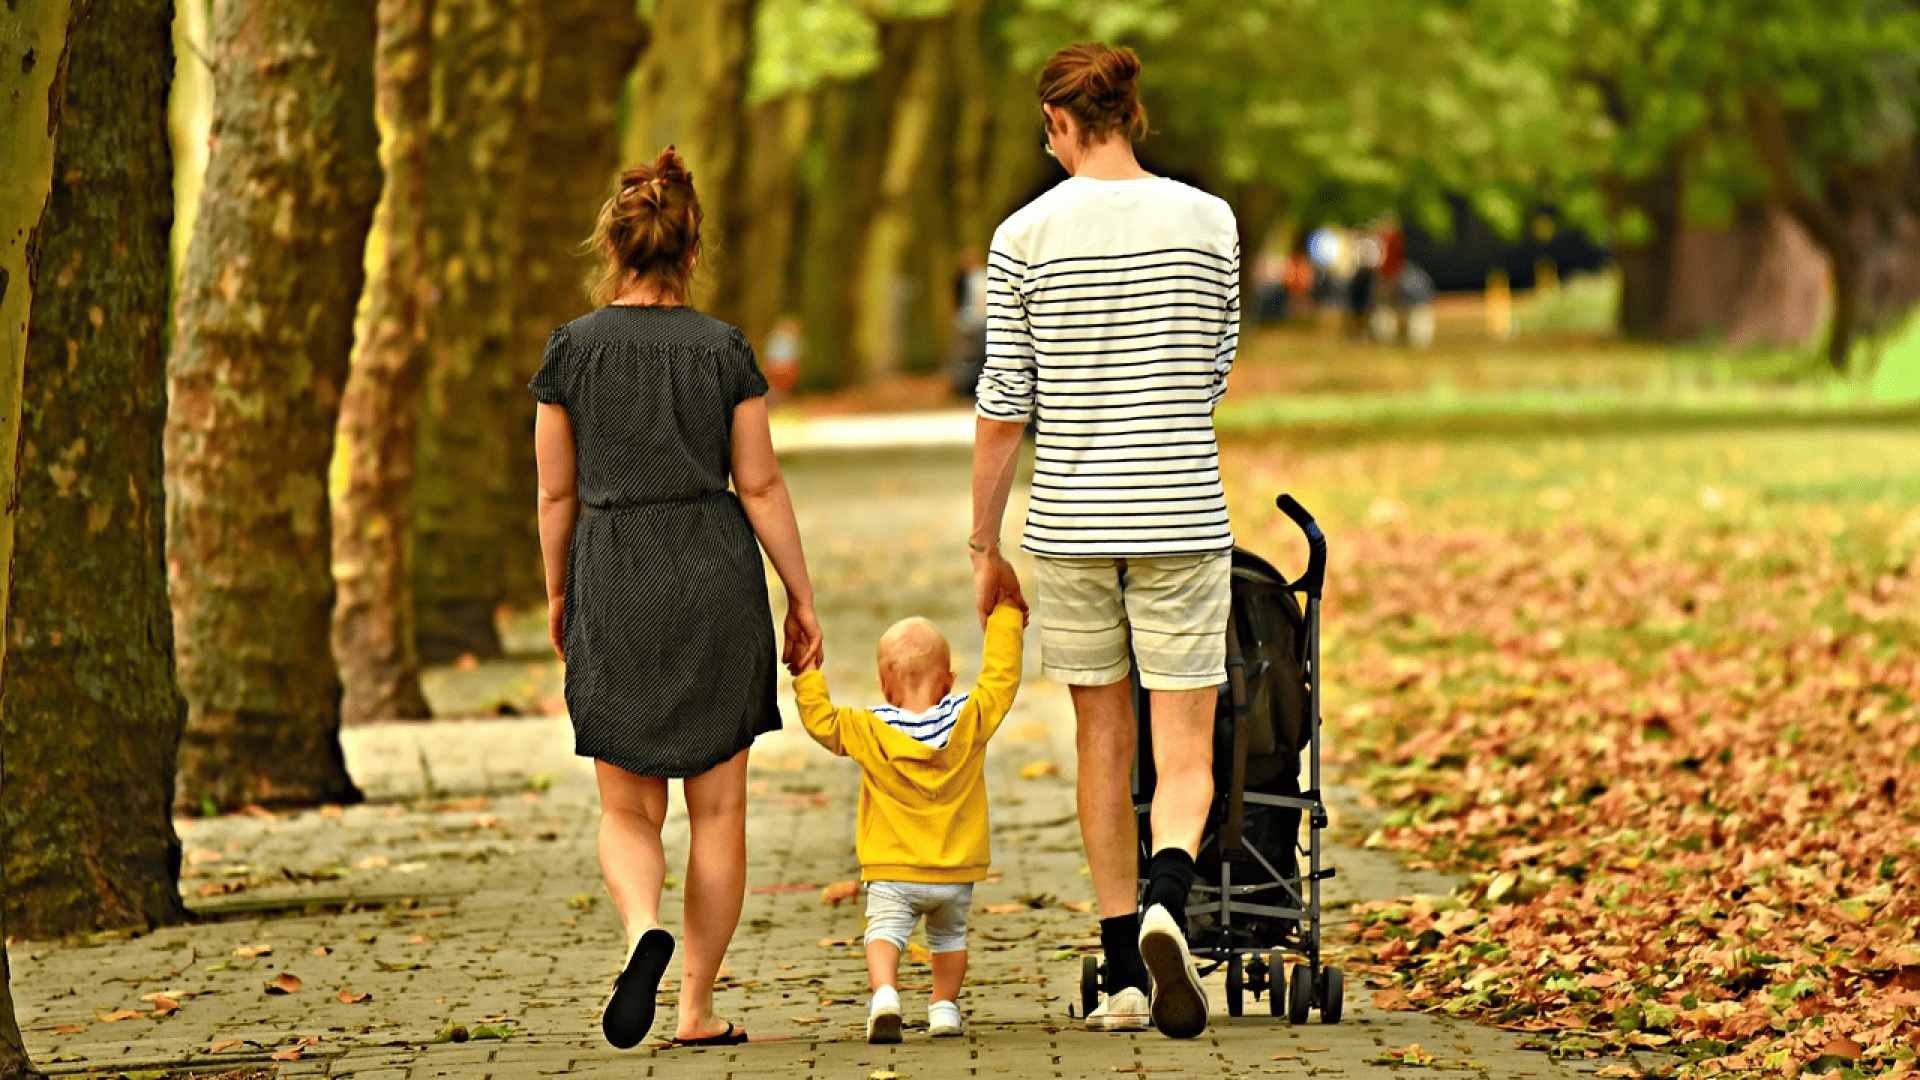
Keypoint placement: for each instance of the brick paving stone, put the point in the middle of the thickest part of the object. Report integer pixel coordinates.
(467, 891)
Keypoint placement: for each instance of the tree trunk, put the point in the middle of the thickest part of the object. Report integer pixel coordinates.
(33, 61)
(912, 67)
(1646, 264)
(373, 617)
(1758, 280)
(582, 53)
(474, 401)
(778, 133)
(838, 209)
(265, 333)
(689, 91)
(190, 116)
(88, 708)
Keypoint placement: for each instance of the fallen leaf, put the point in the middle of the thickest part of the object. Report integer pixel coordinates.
(225, 1044)
(1037, 769)
(1843, 1047)
(118, 1015)
(348, 997)
(809, 1019)
(322, 950)
(1004, 909)
(918, 953)
(1392, 999)
(371, 862)
(836, 943)
(1078, 906)
(284, 983)
(164, 1005)
(286, 1055)
(252, 951)
(838, 891)
(67, 1029)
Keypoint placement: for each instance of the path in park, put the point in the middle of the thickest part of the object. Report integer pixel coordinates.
(466, 891)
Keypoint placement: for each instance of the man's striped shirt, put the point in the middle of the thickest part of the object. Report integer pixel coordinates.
(1113, 312)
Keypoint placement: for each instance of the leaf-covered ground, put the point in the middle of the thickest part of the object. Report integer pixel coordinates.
(1655, 693)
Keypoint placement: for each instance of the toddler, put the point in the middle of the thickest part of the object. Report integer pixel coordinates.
(922, 834)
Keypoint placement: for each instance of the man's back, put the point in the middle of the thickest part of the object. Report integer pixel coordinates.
(1113, 315)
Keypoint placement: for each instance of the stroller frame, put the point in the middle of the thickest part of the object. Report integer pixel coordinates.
(1255, 965)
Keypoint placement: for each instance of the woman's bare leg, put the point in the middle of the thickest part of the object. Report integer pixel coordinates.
(716, 886)
(632, 809)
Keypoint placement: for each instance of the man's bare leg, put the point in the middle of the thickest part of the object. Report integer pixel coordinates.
(1105, 738)
(1183, 766)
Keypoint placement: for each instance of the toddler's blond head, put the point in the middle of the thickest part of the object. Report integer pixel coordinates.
(916, 666)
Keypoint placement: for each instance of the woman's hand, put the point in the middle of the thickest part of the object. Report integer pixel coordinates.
(556, 625)
(804, 647)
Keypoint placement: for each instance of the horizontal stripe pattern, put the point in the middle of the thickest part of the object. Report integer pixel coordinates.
(933, 727)
(1113, 315)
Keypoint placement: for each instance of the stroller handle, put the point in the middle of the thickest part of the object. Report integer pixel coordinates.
(1316, 574)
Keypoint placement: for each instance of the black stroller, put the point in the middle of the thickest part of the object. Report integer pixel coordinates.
(1252, 905)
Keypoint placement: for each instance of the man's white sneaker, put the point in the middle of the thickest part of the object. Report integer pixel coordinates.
(1179, 1001)
(883, 1017)
(1124, 1010)
(944, 1020)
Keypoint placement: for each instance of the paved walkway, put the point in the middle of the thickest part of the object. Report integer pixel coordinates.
(464, 900)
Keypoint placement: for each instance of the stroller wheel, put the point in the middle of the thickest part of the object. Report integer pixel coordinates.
(1089, 985)
(1277, 984)
(1236, 985)
(1299, 994)
(1333, 992)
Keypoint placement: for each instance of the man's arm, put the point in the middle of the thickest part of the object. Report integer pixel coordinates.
(1005, 401)
(996, 450)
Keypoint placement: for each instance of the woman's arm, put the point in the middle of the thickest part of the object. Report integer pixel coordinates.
(763, 493)
(559, 508)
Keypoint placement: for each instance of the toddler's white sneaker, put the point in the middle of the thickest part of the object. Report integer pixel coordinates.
(883, 1016)
(944, 1020)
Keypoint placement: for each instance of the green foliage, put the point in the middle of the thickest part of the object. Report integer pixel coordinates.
(798, 44)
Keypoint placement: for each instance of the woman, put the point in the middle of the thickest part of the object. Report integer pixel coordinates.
(656, 596)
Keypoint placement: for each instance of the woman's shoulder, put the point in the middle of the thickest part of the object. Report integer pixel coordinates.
(670, 327)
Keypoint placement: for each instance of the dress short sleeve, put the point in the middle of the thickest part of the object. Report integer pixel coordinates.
(550, 382)
(745, 374)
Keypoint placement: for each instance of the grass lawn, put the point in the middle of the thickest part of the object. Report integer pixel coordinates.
(1650, 677)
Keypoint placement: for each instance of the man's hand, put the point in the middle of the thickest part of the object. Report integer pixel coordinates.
(995, 583)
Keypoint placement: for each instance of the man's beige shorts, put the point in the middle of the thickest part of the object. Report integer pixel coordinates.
(1173, 609)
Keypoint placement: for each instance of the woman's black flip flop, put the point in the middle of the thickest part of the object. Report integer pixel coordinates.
(630, 1012)
(733, 1036)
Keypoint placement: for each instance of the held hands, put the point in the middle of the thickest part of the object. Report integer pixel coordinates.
(995, 583)
(803, 645)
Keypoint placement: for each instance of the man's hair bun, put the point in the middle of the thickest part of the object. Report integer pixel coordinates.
(1098, 86)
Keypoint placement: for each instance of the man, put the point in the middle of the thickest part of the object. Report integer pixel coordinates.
(1113, 315)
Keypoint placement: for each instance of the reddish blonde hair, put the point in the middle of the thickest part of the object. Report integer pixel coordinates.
(648, 228)
(1098, 87)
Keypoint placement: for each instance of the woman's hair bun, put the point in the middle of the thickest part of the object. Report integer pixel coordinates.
(671, 168)
(649, 229)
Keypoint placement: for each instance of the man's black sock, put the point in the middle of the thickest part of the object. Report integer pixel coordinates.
(1120, 940)
(1169, 878)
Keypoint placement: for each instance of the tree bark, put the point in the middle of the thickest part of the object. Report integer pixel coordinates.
(912, 67)
(473, 401)
(778, 134)
(373, 616)
(1646, 265)
(33, 62)
(839, 201)
(1865, 216)
(264, 338)
(689, 91)
(88, 709)
(583, 51)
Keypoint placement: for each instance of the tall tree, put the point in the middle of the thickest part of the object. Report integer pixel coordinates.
(33, 63)
(582, 54)
(690, 91)
(373, 617)
(475, 394)
(264, 339)
(913, 62)
(88, 708)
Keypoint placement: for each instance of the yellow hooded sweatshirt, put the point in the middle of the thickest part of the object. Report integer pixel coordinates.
(923, 810)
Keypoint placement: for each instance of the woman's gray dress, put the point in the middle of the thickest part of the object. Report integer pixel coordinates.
(668, 629)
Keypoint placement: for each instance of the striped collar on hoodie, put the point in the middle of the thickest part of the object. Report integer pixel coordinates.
(933, 727)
